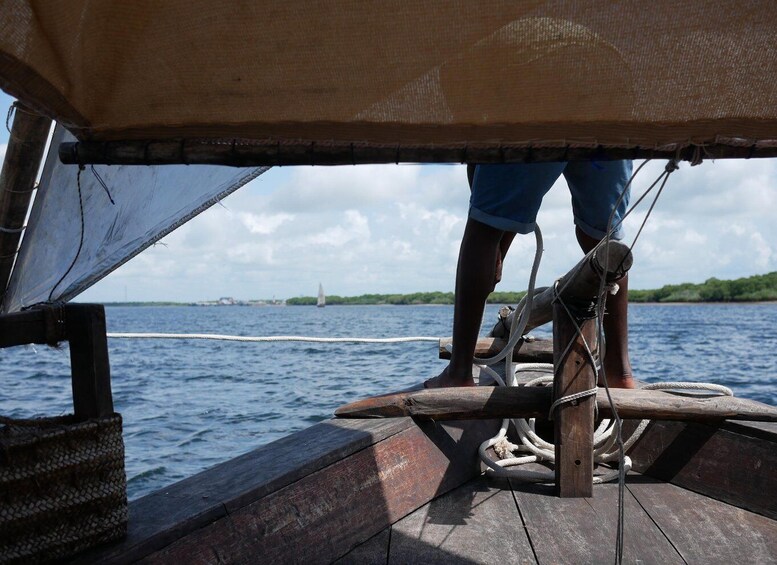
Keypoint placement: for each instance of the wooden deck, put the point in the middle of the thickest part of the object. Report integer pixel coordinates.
(493, 521)
(399, 491)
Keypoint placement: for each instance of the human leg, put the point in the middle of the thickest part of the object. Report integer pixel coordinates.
(505, 200)
(474, 282)
(617, 365)
(596, 192)
(507, 237)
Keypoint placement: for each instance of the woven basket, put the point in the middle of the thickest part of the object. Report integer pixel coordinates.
(62, 487)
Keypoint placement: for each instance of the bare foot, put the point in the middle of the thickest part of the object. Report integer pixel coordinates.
(445, 379)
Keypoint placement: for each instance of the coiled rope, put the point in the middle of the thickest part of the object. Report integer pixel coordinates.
(534, 449)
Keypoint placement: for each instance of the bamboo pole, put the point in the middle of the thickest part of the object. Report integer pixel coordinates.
(17, 182)
(254, 153)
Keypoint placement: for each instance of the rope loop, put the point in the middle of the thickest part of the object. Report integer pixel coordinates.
(570, 398)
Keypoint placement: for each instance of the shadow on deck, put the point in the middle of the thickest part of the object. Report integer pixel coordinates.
(488, 521)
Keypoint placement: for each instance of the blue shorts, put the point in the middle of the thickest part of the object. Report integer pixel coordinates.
(508, 197)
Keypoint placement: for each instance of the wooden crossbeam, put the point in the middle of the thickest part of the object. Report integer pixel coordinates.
(485, 402)
(83, 326)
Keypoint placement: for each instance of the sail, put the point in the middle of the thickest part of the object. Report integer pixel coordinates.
(321, 301)
(79, 230)
(402, 74)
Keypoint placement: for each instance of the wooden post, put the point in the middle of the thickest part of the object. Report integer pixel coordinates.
(22, 160)
(91, 373)
(83, 325)
(573, 421)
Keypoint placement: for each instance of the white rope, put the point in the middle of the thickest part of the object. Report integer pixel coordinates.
(532, 448)
(724, 390)
(272, 338)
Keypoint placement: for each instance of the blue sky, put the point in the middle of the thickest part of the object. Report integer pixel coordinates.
(396, 228)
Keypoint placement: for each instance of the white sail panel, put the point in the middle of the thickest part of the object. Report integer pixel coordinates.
(73, 242)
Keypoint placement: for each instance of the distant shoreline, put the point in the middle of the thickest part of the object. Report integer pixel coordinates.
(758, 289)
(179, 304)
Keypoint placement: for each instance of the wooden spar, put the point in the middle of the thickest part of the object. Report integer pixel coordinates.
(579, 284)
(270, 152)
(22, 160)
(485, 402)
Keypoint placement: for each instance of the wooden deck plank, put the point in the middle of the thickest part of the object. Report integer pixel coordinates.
(324, 515)
(374, 551)
(475, 523)
(583, 530)
(705, 530)
(726, 465)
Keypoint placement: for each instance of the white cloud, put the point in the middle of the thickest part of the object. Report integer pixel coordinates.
(397, 229)
(355, 228)
(263, 224)
(3, 148)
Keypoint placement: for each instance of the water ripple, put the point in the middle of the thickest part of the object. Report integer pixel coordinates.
(191, 404)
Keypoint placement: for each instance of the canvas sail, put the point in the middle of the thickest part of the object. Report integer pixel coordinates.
(406, 74)
(60, 257)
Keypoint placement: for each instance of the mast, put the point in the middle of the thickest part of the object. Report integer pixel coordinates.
(17, 182)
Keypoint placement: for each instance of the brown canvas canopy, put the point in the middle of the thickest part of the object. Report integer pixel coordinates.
(457, 74)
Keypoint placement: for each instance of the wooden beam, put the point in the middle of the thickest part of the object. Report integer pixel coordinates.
(270, 152)
(486, 402)
(21, 328)
(83, 326)
(17, 182)
(573, 421)
(536, 351)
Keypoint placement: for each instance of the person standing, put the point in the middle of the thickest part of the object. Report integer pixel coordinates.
(504, 202)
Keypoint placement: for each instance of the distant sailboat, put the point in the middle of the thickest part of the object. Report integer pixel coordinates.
(321, 298)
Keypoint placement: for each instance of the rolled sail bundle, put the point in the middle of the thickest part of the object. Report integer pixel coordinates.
(581, 284)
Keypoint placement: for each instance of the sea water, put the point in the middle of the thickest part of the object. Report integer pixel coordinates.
(188, 404)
